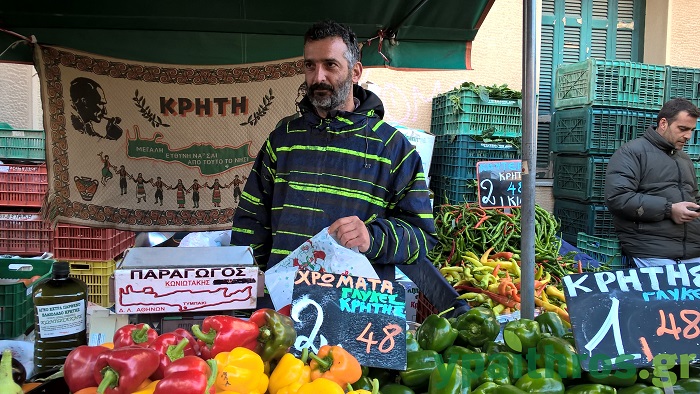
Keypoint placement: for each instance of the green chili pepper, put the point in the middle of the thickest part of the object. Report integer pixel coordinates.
(477, 326)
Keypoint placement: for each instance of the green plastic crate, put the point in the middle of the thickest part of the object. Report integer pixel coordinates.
(22, 144)
(462, 111)
(453, 190)
(455, 156)
(580, 178)
(16, 304)
(603, 250)
(597, 130)
(610, 83)
(579, 217)
(683, 82)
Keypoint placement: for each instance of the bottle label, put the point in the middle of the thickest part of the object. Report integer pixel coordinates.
(59, 320)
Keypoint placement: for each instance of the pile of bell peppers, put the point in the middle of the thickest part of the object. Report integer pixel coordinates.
(228, 355)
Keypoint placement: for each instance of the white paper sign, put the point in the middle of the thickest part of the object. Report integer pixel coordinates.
(320, 253)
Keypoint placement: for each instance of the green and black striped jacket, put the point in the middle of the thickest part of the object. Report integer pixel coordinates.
(311, 171)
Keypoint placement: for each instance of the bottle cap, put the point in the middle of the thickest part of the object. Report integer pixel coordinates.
(61, 268)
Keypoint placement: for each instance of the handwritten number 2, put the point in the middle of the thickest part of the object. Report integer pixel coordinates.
(303, 341)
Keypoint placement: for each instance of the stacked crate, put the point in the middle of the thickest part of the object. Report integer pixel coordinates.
(23, 232)
(600, 105)
(459, 118)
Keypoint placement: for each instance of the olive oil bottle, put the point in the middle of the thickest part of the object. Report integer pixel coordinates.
(60, 312)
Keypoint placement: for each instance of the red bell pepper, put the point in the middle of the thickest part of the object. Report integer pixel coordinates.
(188, 375)
(122, 370)
(77, 370)
(222, 333)
(134, 334)
(170, 347)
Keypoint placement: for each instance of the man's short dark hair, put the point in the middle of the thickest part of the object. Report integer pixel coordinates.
(673, 107)
(329, 28)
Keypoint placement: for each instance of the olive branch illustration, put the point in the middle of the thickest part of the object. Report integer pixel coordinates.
(146, 111)
(261, 111)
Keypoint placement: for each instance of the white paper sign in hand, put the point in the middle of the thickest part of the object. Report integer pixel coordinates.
(320, 253)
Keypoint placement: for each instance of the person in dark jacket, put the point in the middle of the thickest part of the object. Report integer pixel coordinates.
(651, 190)
(338, 165)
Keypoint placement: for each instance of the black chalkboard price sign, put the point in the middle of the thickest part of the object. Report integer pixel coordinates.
(499, 183)
(634, 316)
(367, 317)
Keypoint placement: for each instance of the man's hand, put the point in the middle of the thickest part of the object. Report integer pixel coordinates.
(351, 232)
(683, 212)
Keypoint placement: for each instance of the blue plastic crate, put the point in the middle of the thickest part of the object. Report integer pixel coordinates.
(453, 190)
(604, 250)
(22, 144)
(580, 178)
(597, 130)
(683, 82)
(462, 111)
(578, 217)
(455, 156)
(610, 83)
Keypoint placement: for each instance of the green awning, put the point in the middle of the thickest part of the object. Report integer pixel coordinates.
(426, 33)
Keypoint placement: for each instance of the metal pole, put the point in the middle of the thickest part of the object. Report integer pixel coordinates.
(529, 152)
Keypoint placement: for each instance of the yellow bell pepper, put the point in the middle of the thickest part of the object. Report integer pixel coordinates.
(290, 374)
(240, 370)
(321, 385)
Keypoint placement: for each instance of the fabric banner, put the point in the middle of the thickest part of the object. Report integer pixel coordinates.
(155, 147)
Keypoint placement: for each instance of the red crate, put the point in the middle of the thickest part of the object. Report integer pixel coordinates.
(424, 308)
(23, 234)
(23, 185)
(80, 243)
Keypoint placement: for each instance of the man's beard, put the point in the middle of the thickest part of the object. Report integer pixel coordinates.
(335, 100)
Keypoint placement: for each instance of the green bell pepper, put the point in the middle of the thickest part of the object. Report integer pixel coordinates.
(363, 383)
(515, 363)
(521, 335)
(436, 333)
(419, 366)
(590, 388)
(493, 388)
(541, 380)
(617, 378)
(690, 385)
(383, 376)
(411, 343)
(447, 379)
(569, 336)
(558, 355)
(496, 373)
(394, 388)
(477, 326)
(551, 323)
(494, 347)
(469, 359)
(640, 388)
(276, 333)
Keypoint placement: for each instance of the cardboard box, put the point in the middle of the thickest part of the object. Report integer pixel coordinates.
(424, 143)
(166, 280)
(102, 324)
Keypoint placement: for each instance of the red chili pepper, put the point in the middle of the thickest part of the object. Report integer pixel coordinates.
(502, 255)
(580, 268)
(188, 375)
(78, 367)
(482, 220)
(172, 346)
(134, 334)
(222, 333)
(122, 370)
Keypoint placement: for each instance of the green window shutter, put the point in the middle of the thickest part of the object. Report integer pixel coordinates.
(574, 30)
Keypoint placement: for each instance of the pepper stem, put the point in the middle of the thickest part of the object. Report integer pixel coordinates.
(375, 386)
(445, 311)
(207, 338)
(265, 334)
(140, 335)
(350, 389)
(110, 379)
(212, 376)
(175, 352)
(305, 355)
(324, 364)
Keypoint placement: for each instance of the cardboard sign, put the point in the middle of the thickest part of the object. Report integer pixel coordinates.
(500, 183)
(630, 316)
(366, 316)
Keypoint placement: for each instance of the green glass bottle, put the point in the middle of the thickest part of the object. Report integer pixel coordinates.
(60, 313)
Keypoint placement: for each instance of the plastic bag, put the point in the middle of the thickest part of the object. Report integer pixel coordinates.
(206, 239)
(320, 253)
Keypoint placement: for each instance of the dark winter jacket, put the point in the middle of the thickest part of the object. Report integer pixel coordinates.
(644, 177)
(313, 171)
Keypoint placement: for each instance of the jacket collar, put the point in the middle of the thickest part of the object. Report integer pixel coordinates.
(658, 141)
